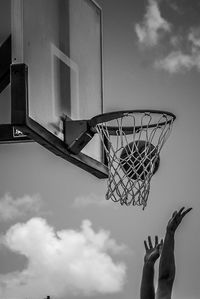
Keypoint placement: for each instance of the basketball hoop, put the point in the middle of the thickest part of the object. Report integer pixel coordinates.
(132, 141)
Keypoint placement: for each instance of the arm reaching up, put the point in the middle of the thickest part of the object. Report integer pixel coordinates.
(167, 260)
(152, 254)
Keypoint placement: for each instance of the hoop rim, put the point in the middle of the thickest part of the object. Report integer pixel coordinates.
(105, 117)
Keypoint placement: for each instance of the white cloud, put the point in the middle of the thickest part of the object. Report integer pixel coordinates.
(175, 7)
(175, 62)
(153, 25)
(175, 41)
(184, 48)
(11, 208)
(61, 263)
(179, 61)
(91, 199)
(194, 37)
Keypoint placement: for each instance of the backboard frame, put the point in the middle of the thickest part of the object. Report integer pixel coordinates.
(21, 121)
(8, 133)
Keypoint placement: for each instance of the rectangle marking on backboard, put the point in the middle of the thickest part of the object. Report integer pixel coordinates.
(17, 31)
(74, 86)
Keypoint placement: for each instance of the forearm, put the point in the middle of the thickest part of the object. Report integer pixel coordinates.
(147, 285)
(167, 259)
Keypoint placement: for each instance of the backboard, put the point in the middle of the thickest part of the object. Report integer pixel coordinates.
(57, 46)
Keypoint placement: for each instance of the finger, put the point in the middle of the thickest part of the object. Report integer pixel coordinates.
(156, 241)
(180, 211)
(185, 212)
(174, 214)
(150, 243)
(145, 245)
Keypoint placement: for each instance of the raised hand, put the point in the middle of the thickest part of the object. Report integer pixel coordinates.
(176, 219)
(152, 252)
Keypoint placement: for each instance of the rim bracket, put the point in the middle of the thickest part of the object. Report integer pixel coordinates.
(77, 134)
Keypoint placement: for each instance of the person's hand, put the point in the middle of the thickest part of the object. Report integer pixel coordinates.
(152, 252)
(176, 219)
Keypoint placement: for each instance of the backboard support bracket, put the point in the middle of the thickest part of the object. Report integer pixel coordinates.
(22, 122)
(77, 134)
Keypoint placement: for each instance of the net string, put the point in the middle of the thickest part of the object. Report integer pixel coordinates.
(121, 187)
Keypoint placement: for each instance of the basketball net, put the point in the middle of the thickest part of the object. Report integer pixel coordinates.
(131, 185)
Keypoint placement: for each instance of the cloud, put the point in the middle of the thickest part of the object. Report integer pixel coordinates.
(62, 263)
(91, 199)
(175, 7)
(11, 208)
(181, 50)
(175, 62)
(153, 25)
(194, 37)
(180, 61)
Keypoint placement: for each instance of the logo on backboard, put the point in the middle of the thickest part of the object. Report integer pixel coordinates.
(17, 133)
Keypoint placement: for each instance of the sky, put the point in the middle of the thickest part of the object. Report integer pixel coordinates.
(58, 234)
